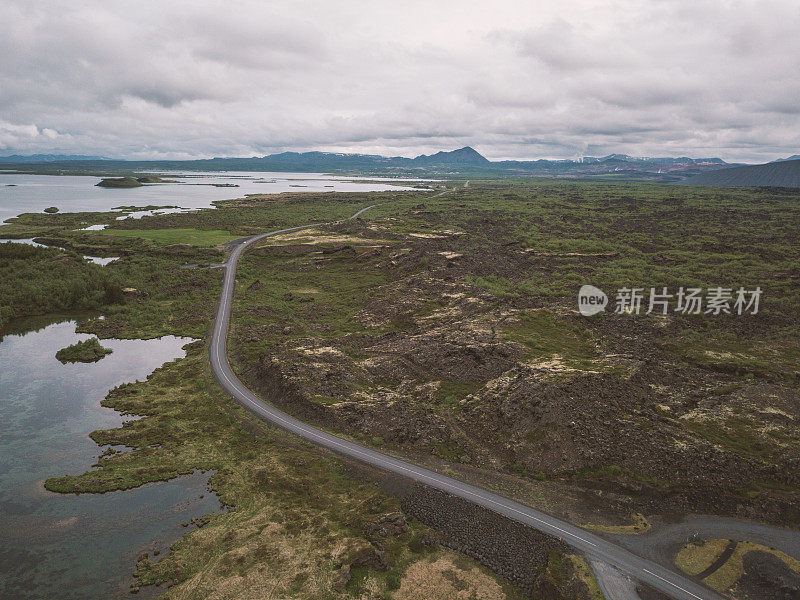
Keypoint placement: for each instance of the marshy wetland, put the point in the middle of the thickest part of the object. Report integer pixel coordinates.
(57, 546)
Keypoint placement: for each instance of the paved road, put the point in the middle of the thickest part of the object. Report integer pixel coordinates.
(666, 580)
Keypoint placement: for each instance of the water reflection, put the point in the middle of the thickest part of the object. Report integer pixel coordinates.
(63, 546)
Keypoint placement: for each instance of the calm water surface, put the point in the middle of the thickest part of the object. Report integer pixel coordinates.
(56, 546)
(78, 193)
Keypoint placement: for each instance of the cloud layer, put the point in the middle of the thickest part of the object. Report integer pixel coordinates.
(524, 79)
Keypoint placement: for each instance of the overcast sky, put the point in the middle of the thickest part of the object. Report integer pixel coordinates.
(527, 79)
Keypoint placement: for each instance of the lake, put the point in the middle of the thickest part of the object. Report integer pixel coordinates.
(56, 546)
(21, 193)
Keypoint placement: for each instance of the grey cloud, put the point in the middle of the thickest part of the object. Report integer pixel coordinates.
(562, 77)
(559, 46)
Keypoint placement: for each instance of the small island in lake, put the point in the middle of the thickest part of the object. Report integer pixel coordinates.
(132, 182)
(87, 351)
(119, 182)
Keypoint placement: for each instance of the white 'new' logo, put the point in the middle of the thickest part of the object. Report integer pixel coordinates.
(591, 300)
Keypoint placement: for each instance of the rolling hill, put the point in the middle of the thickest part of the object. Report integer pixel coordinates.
(777, 174)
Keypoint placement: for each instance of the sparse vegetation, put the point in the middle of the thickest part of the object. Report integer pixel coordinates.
(544, 335)
(728, 574)
(462, 311)
(640, 525)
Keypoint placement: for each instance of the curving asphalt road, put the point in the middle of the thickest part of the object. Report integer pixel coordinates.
(596, 548)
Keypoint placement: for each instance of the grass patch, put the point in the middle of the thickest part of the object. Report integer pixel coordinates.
(324, 400)
(582, 571)
(519, 468)
(341, 290)
(451, 392)
(544, 334)
(495, 284)
(735, 434)
(166, 237)
(358, 581)
(446, 576)
(695, 558)
(640, 525)
(446, 451)
(355, 353)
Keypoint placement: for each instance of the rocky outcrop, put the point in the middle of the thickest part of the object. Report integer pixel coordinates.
(515, 551)
(390, 524)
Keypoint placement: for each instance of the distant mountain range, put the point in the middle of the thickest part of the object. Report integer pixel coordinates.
(782, 173)
(464, 161)
(660, 161)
